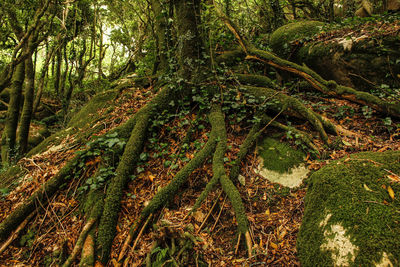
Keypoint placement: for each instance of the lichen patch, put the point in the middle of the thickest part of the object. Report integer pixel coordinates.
(293, 178)
(324, 222)
(342, 250)
(384, 262)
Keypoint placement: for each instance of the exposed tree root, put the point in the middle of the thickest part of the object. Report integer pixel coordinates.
(125, 168)
(94, 204)
(87, 255)
(255, 80)
(80, 242)
(15, 234)
(227, 185)
(295, 105)
(40, 196)
(330, 88)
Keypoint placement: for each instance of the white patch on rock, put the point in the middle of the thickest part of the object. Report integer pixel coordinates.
(324, 222)
(384, 262)
(347, 44)
(291, 179)
(336, 242)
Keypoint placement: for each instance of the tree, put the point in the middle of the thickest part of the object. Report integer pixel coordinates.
(193, 80)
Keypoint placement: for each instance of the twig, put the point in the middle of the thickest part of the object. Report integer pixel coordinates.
(129, 239)
(237, 244)
(219, 214)
(209, 213)
(141, 232)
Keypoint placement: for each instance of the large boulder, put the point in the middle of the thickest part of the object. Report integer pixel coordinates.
(352, 213)
(281, 38)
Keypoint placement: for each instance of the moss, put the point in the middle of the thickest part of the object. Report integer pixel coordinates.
(112, 204)
(279, 157)
(256, 80)
(371, 218)
(54, 139)
(10, 175)
(283, 102)
(98, 102)
(281, 38)
(231, 58)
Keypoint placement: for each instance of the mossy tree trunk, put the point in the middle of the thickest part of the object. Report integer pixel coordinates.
(27, 108)
(190, 43)
(161, 12)
(8, 139)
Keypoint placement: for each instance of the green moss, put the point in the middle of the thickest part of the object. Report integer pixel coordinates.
(318, 51)
(10, 175)
(99, 101)
(256, 80)
(279, 157)
(281, 38)
(371, 218)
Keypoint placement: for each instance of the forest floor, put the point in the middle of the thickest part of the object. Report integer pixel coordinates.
(274, 212)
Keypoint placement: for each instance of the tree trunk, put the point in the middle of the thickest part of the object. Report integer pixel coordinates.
(57, 73)
(26, 115)
(190, 44)
(162, 38)
(10, 129)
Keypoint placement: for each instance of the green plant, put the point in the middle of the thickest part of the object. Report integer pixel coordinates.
(367, 112)
(388, 124)
(109, 148)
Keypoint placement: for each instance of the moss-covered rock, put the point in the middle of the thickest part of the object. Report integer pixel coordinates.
(281, 38)
(350, 218)
(81, 122)
(281, 163)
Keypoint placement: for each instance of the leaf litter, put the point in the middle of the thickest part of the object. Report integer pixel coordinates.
(274, 212)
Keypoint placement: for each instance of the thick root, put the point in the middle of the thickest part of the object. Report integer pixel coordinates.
(227, 185)
(293, 104)
(80, 242)
(125, 167)
(87, 255)
(115, 190)
(40, 196)
(330, 88)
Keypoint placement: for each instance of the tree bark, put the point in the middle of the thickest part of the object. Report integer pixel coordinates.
(26, 116)
(10, 129)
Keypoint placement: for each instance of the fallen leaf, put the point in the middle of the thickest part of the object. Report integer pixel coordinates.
(367, 188)
(242, 180)
(394, 178)
(273, 245)
(151, 177)
(198, 216)
(391, 192)
(346, 143)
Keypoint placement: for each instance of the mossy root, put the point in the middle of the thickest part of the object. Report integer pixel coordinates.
(40, 196)
(292, 104)
(227, 185)
(109, 218)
